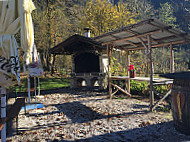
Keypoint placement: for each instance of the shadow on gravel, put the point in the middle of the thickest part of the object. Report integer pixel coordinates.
(140, 106)
(151, 133)
(80, 113)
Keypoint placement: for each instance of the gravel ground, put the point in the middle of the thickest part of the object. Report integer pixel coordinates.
(90, 116)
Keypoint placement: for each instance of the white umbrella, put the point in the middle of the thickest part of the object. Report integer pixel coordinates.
(35, 69)
(14, 15)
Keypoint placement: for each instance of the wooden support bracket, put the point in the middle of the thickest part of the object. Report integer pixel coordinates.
(165, 96)
(114, 93)
(122, 90)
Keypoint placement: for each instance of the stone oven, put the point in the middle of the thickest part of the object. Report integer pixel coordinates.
(89, 61)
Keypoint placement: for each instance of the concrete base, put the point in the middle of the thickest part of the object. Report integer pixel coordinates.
(88, 80)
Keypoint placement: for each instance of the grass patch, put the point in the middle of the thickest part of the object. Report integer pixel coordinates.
(45, 84)
(53, 83)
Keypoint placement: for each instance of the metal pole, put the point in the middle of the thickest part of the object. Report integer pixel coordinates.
(35, 91)
(3, 113)
(38, 86)
(29, 88)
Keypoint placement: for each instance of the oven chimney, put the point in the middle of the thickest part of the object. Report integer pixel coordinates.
(87, 32)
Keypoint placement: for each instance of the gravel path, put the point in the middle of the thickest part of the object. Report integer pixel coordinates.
(91, 116)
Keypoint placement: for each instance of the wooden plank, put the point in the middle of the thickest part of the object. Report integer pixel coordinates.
(120, 89)
(163, 83)
(155, 80)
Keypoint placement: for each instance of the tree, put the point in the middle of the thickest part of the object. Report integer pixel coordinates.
(51, 27)
(166, 14)
(143, 8)
(101, 16)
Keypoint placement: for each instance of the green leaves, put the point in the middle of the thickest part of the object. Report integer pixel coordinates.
(166, 14)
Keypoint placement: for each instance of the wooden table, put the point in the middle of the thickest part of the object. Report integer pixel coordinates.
(156, 82)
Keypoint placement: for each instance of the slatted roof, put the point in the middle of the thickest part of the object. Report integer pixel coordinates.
(131, 37)
(76, 43)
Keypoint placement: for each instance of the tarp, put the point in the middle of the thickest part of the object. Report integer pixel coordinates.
(14, 15)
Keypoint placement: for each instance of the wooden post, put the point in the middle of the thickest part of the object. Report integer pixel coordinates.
(128, 63)
(171, 59)
(109, 71)
(3, 113)
(151, 74)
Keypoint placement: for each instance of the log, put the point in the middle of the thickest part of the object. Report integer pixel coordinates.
(114, 93)
(120, 89)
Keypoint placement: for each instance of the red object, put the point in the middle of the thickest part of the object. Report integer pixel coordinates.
(132, 74)
(131, 68)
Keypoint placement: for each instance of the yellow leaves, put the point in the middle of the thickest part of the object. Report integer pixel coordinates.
(103, 16)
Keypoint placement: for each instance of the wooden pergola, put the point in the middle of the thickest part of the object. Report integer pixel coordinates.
(146, 35)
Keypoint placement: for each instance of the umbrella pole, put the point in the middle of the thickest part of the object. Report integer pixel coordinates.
(29, 88)
(35, 91)
(3, 113)
(38, 86)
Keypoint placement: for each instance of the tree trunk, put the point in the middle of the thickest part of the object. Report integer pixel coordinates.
(53, 65)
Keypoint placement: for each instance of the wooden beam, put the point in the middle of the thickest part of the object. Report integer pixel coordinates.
(157, 45)
(128, 63)
(135, 33)
(143, 43)
(132, 37)
(109, 70)
(165, 96)
(171, 59)
(168, 43)
(120, 89)
(131, 43)
(114, 93)
(151, 73)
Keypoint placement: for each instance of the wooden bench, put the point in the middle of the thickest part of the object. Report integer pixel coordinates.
(13, 112)
(15, 109)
